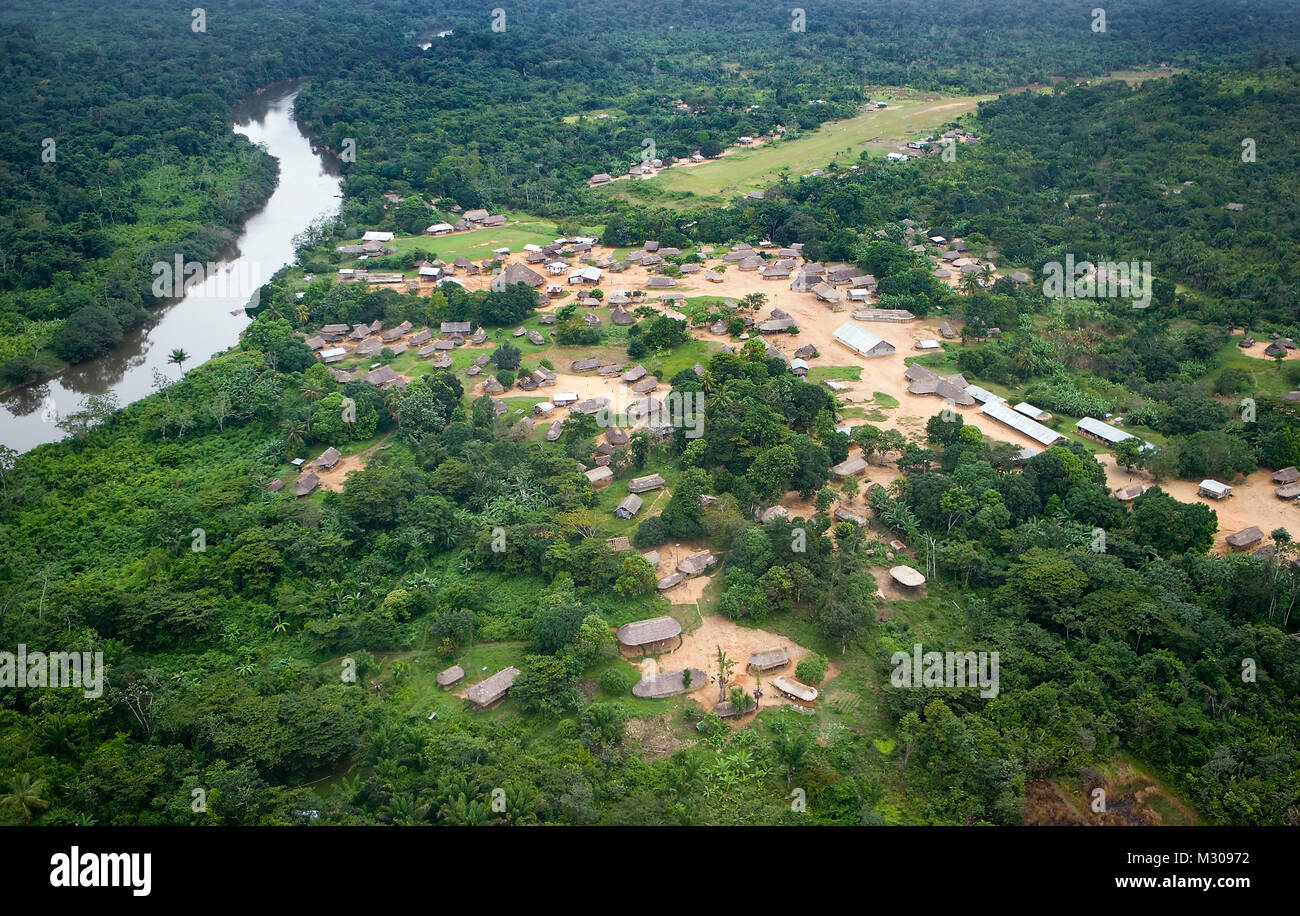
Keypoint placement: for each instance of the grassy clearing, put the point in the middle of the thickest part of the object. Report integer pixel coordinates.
(1265, 376)
(742, 170)
(520, 229)
(818, 374)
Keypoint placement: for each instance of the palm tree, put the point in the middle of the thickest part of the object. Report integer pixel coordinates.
(790, 749)
(179, 357)
(725, 665)
(292, 431)
(312, 389)
(25, 795)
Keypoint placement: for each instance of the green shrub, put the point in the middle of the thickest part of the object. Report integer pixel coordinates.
(811, 669)
(616, 681)
(651, 533)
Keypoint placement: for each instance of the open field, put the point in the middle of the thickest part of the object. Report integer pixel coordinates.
(477, 244)
(877, 132)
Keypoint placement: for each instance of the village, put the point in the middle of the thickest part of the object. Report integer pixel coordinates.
(816, 315)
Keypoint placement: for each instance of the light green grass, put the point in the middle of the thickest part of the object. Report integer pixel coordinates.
(818, 374)
(742, 170)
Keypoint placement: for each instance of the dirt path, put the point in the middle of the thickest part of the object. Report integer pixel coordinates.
(334, 478)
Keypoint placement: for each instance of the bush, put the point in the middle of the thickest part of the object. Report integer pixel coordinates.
(616, 681)
(811, 669)
(651, 533)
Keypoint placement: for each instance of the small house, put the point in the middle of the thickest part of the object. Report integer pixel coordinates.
(657, 634)
(1246, 538)
(491, 691)
(305, 484)
(696, 563)
(629, 507)
(1213, 489)
(644, 484)
(328, 459)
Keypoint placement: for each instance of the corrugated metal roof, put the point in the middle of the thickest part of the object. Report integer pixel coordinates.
(859, 338)
(1021, 423)
(984, 396)
(1103, 430)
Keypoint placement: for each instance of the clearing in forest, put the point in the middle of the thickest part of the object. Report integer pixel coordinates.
(879, 130)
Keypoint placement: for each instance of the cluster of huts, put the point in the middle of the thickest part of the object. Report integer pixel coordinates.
(469, 219)
(308, 480)
(371, 339)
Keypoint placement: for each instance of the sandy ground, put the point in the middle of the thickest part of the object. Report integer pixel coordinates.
(334, 478)
(1252, 501)
(699, 649)
(1261, 344)
(690, 590)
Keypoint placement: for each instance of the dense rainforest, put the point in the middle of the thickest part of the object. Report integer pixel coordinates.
(230, 615)
(224, 662)
(112, 164)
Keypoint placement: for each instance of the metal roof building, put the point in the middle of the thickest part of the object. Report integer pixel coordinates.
(984, 396)
(862, 341)
(1103, 431)
(1021, 423)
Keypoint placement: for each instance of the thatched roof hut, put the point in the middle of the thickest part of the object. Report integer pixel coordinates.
(1288, 490)
(643, 484)
(1246, 537)
(518, 273)
(769, 659)
(305, 484)
(485, 693)
(328, 458)
(849, 467)
(907, 577)
(670, 580)
(554, 431)
(600, 477)
(669, 683)
(629, 507)
(452, 675)
(275, 486)
(616, 436)
(795, 689)
(844, 515)
(696, 563)
(652, 634)
(1286, 475)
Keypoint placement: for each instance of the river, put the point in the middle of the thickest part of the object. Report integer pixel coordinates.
(210, 317)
